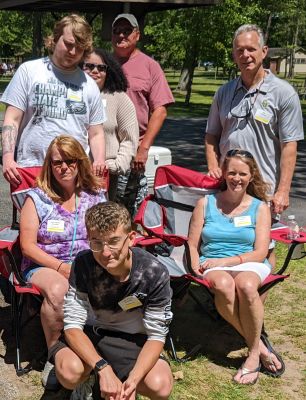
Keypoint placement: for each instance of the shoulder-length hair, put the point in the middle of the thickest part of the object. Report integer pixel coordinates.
(71, 149)
(256, 187)
(81, 31)
(115, 80)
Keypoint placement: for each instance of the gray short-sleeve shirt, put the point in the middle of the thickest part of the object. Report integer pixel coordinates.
(275, 117)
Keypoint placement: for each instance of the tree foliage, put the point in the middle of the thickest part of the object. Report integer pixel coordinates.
(176, 38)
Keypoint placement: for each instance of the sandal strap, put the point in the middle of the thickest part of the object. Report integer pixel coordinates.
(246, 371)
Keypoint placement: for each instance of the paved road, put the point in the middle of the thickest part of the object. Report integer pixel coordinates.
(184, 137)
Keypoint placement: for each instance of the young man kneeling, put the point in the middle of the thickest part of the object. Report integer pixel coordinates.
(127, 294)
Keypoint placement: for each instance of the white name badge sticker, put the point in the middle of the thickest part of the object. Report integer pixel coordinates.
(129, 302)
(263, 116)
(54, 225)
(245, 220)
(104, 102)
(74, 95)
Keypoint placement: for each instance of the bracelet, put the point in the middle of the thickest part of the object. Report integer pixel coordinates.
(62, 262)
(240, 259)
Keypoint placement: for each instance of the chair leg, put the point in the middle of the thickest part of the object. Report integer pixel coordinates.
(188, 356)
(17, 315)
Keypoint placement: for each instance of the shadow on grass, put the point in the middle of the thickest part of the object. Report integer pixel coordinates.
(33, 347)
(192, 326)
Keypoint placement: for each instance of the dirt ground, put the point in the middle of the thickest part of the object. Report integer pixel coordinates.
(217, 340)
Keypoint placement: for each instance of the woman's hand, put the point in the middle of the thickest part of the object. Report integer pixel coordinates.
(64, 270)
(211, 263)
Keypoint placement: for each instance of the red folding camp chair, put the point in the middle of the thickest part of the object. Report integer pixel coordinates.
(10, 261)
(165, 216)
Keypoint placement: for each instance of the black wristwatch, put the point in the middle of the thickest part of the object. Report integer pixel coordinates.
(100, 365)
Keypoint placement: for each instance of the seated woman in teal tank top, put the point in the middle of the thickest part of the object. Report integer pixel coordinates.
(229, 237)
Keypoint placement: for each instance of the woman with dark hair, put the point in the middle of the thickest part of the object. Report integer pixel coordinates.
(229, 236)
(121, 127)
(52, 228)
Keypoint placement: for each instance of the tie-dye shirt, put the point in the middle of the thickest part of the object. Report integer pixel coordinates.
(56, 227)
(93, 290)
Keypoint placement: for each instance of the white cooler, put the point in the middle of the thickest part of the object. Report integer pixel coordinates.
(157, 156)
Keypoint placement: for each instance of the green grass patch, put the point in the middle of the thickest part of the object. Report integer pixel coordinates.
(205, 84)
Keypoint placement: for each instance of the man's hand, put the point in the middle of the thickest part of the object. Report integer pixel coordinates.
(139, 162)
(98, 168)
(215, 173)
(110, 385)
(10, 171)
(128, 390)
(280, 201)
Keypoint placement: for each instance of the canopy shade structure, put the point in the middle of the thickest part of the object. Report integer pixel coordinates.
(108, 8)
(99, 5)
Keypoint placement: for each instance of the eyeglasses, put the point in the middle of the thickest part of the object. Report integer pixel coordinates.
(98, 245)
(58, 163)
(91, 67)
(126, 31)
(239, 152)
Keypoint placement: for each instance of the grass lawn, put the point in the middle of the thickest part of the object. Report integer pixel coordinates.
(203, 89)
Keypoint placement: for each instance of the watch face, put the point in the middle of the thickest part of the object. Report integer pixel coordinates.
(101, 364)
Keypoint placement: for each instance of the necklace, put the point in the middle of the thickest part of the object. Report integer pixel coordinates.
(228, 216)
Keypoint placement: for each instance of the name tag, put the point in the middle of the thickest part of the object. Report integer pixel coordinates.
(129, 302)
(104, 103)
(54, 225)
(245, 220)
(263, 116)
(74, 95)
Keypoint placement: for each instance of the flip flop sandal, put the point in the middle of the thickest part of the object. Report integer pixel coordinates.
(246, 371)
(268, 359)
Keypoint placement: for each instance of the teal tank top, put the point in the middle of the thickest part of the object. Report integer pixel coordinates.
(225, 237)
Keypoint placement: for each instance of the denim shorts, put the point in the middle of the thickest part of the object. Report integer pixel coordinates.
(30, 271)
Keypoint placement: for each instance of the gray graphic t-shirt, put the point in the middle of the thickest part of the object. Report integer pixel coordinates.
(54, 101)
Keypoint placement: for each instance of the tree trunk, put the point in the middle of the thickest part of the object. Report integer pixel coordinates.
(190, 62)
(268, 28)
(37, 45)
(292, 53)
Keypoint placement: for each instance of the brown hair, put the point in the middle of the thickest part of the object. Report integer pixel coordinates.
(71, 149)
(257, 187)
(81, 31)
(106, 217)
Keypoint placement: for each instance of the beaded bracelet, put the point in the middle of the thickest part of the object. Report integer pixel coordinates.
(240, 259)
(60, 265)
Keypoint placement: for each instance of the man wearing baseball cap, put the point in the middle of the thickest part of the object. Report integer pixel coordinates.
(150, 93)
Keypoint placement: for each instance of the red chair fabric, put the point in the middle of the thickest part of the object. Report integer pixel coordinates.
(10, 259)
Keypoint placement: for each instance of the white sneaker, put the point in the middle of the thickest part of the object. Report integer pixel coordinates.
(48, 377)
(84, 390)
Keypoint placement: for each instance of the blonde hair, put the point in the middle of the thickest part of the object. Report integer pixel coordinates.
(71, 149)
(81, 31)
(256, 187)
